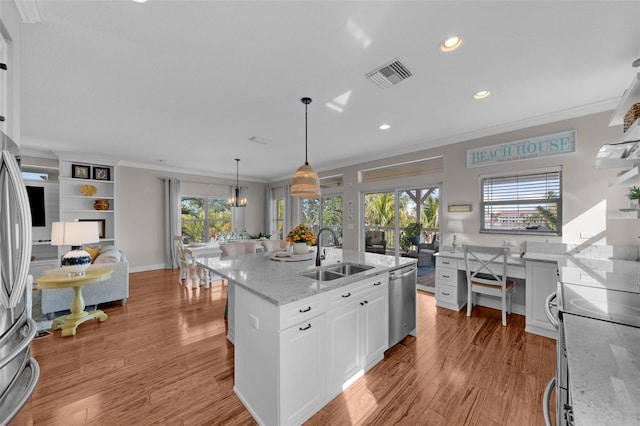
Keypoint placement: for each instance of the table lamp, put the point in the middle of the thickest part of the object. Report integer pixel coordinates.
(74, 234)
(455, 226)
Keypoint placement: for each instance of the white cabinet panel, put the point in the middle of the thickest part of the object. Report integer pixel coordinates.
(302, 370)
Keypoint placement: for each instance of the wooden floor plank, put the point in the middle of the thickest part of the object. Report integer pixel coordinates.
(164, 359)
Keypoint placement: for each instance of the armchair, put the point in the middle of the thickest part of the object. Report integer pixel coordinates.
(375, 242)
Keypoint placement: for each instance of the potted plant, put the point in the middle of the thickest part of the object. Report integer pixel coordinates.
(634, 195)
(300, 237)
(260, 236)
(411, 236)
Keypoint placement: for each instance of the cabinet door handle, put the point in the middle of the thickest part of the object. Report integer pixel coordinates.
(445, 294)
(305, 310)
(446, 276)
(305, 328)
(366, 301)
(446, 263)
(361, 303)
(378, 283)
(346, 295)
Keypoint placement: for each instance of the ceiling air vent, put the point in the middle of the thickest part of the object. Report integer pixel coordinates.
(389, 74)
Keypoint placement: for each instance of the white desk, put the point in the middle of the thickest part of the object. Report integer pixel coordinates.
(197, 251)
(451, 280)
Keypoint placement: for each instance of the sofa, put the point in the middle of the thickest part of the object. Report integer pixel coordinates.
(114, 289)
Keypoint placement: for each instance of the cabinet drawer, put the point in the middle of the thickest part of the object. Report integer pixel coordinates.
(446, 276)
(350, 292)
(447, 294)
(447, 262)
(298, 311)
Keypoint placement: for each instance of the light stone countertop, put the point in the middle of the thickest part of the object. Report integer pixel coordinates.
(604, 357)
(604, 371)
(281, 282)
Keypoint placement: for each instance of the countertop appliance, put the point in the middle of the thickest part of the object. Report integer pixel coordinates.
(402, 302)
(18, 371)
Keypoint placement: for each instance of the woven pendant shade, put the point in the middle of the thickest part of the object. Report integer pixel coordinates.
(305, 183)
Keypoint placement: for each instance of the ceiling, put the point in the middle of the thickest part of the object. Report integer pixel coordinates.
(184, 85)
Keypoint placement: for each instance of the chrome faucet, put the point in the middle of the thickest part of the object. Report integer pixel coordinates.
(335, 242)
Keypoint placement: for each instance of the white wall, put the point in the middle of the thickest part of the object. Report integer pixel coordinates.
(587, 196)
(140, 210)
(586, 191)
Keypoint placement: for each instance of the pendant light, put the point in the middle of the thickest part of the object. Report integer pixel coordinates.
(237, 198)
(305, 183)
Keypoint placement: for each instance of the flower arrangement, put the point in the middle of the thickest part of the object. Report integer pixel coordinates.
(302, 234)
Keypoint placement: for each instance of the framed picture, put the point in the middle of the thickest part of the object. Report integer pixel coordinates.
(101, 225)
(101, 173)
(80, 171)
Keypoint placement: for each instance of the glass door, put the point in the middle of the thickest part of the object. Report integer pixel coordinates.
(404, 222)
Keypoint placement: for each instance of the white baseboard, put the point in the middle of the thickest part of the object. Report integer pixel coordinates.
(146, 268)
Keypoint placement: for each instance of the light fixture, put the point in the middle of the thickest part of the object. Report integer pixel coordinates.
(237, 198)
(481, 94)
(450, 44)
(74, 234)
(305, 183)
(455, 227)
(384, 126)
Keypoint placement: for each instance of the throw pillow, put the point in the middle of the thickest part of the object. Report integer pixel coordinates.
(110, 256)
(93, 252)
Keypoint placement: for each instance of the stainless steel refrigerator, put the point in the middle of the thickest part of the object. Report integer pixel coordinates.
(18, 371)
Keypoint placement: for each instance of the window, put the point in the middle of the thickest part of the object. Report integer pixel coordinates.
(325, 212)
(279, 218)
(522, 204)
(205, 218)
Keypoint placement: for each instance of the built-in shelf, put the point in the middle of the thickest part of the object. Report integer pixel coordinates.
(630, 97)
(629, 178)
(624, 214)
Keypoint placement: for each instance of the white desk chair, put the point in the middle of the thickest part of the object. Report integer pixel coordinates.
(487, 274)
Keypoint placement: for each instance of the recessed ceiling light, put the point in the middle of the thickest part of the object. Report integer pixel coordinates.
(481, 94)
(384, 126)
(450, 44)
(140, 1)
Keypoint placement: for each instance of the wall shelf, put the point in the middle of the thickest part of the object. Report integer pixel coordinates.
(624, 214)
(629, 178)
(630, 97)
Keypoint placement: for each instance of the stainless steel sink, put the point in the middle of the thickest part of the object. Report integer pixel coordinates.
(336, 271)
(350, 268)
(324, 275)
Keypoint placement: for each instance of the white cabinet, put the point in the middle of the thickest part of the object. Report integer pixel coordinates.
(291, 360)
(451, 284)
(75, 173)
(302, 370)
(357, 331)
(542, 278)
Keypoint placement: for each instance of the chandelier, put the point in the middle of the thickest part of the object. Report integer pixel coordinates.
(237, 198)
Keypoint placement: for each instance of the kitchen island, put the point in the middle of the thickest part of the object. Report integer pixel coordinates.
(300, 341)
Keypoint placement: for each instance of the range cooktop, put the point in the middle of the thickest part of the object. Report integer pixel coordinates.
(615, 306)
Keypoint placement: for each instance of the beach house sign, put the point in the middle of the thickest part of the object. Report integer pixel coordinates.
(525, 149)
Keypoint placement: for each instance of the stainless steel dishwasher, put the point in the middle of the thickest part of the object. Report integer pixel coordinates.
(402, 302)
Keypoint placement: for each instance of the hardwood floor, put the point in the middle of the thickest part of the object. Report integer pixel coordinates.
(164, 359)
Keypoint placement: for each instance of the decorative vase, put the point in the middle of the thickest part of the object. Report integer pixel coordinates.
(101, 205)
(300, 248)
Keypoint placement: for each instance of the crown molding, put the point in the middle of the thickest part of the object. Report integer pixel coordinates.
(29, 11)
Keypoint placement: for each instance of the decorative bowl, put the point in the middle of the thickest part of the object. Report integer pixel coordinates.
(88, 190)
(101, 205)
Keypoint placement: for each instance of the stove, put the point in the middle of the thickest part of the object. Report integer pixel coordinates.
(620, 307)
